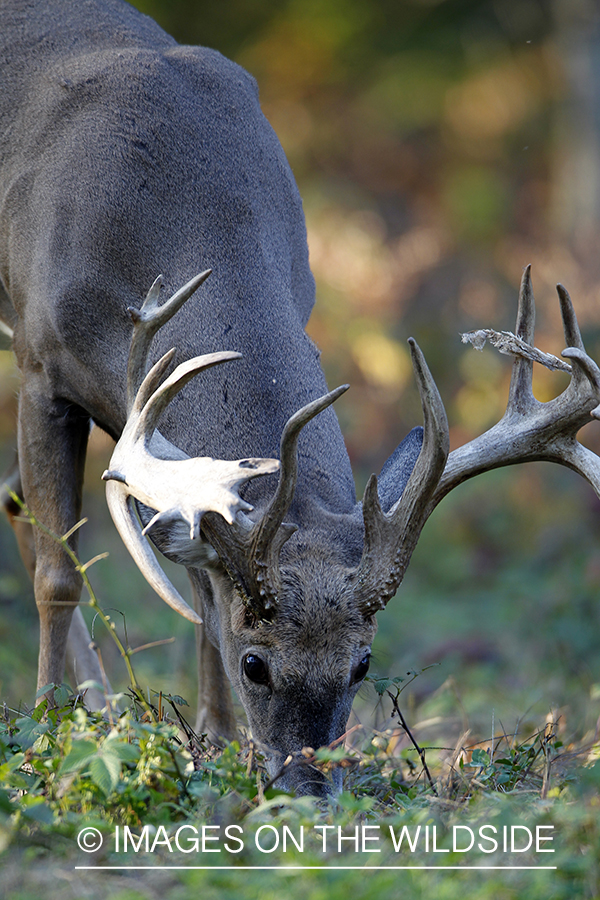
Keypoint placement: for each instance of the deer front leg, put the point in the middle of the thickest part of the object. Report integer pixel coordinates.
(82, 661)
(52, 443)
(215, 716)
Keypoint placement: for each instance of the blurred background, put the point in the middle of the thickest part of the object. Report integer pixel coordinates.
(439, 146)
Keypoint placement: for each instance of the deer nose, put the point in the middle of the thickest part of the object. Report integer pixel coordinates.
(298, 775)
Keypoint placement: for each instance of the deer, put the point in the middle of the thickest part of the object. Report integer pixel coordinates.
(124, 154)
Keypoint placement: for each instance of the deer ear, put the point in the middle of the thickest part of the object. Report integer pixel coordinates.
(397, 469)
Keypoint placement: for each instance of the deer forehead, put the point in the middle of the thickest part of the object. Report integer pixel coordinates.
(308, 626)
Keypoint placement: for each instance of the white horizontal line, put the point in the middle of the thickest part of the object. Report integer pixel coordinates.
(302, 868)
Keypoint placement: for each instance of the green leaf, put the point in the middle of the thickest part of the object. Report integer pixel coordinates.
(325, 754)
(39, 711)
(35, 808)
(45, 689)
(5, 804)
(12, 763)
(82, 752)
(480, 757)
(125, 752)
(42, 744)
(382, 685)
(105, 770)
(179, 701)
(30, 731)
(62, 694)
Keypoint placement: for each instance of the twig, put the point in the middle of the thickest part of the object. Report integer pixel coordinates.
(419, 750)
(105, 684)
(287, 762)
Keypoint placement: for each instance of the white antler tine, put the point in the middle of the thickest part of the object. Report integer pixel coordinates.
(146, 322)
(435, 421)
(253, 558)
(525, 327)
(151, 382)
(270, 523)
(150, 301)
(119, 504)
(174, 303)
(390, 538)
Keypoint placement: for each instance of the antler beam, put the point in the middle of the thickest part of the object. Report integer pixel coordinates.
(529, 430)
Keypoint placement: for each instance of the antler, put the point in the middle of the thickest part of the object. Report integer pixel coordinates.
(251, 557)
(390, 538)
(180, 489)
(529, 430)
(147, 467)
(146, 322)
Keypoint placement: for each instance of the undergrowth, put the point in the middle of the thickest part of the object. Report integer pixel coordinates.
(156, 794)
(134, 785)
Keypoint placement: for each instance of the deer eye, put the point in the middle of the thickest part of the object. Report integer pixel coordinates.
(362, 668)
(256, 669)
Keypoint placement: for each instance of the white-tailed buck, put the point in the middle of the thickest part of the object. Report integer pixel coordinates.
(122, 155)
